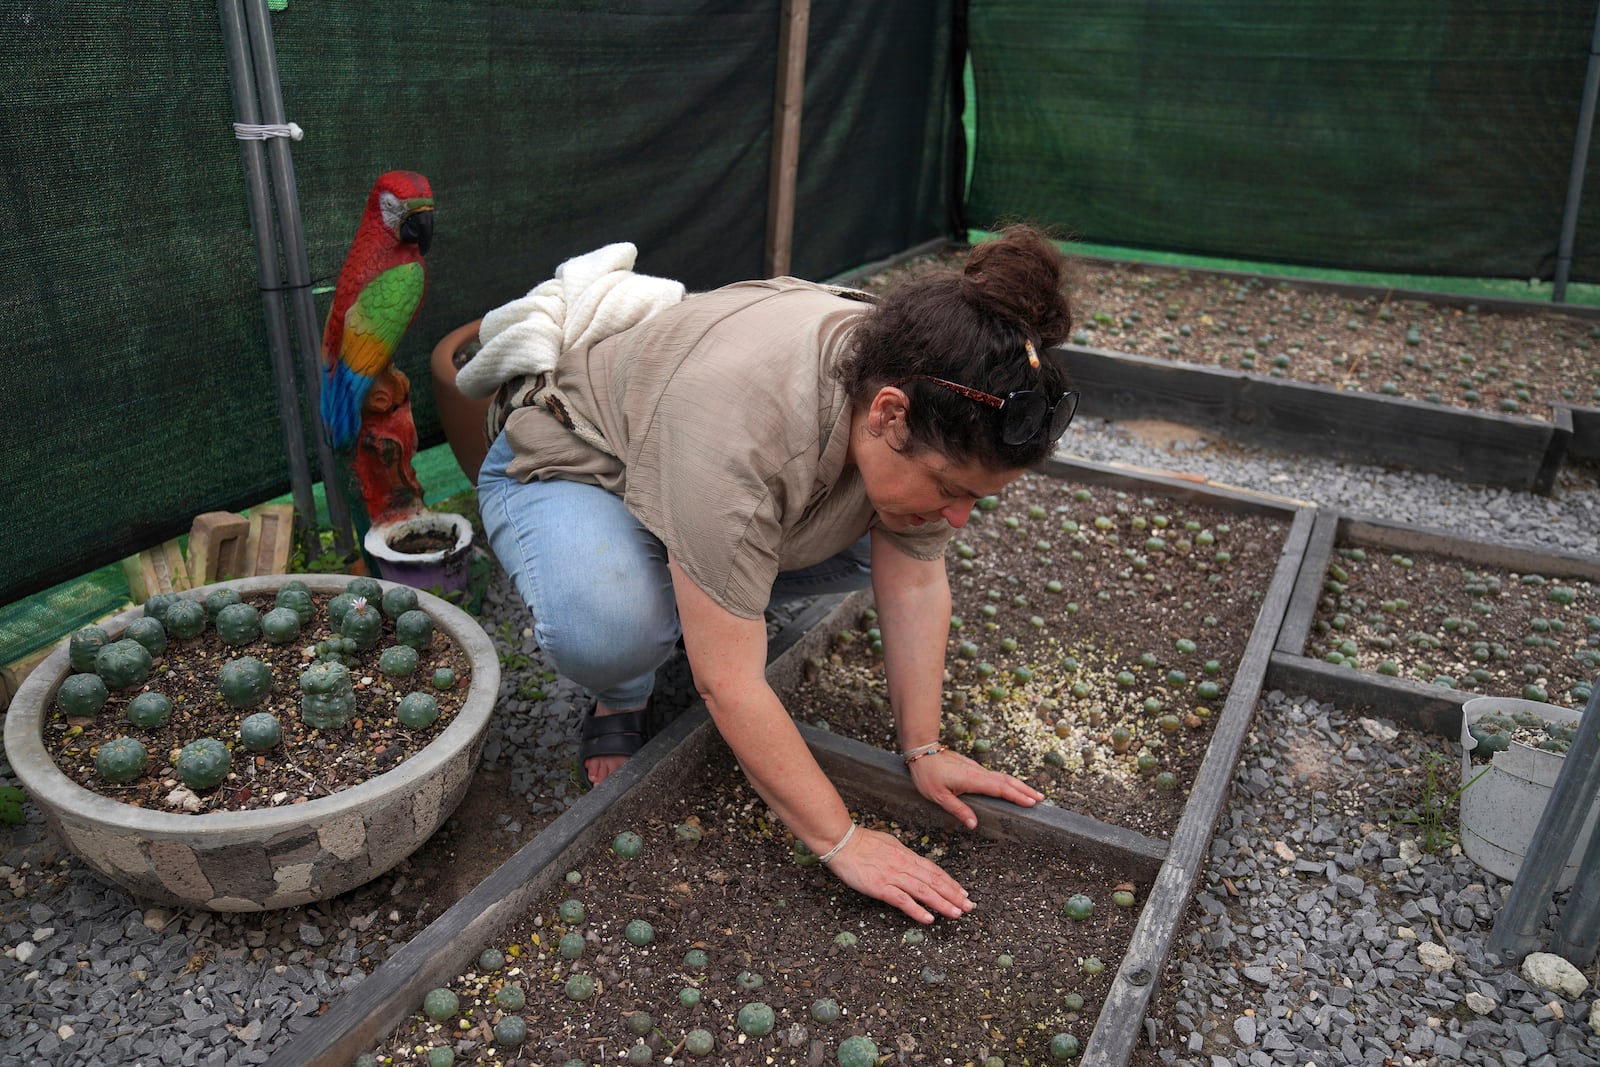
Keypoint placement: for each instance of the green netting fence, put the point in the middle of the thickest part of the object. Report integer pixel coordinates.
(139, 390)
(1426, 138)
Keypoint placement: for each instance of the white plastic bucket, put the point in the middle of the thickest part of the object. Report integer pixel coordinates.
(1501, 810)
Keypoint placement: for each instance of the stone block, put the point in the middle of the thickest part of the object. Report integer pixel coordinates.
(156, 570)
(178, 869)
(270, 539)
(217, 542)
(345, 837)
(241, 870)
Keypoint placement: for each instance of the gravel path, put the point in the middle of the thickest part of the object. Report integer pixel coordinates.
(1316, 960)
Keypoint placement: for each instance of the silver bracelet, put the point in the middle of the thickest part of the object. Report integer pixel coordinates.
(843, 841)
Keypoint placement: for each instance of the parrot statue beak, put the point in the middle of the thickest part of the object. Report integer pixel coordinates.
(418, 228)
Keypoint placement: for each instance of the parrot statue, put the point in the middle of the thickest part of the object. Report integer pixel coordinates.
(377, 296)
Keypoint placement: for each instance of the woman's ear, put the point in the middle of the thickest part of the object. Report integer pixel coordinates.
(887, 414)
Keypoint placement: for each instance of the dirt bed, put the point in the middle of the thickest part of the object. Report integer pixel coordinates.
(1080, 611)
(769, 920)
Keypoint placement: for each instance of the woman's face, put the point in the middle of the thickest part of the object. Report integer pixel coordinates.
(911, 489)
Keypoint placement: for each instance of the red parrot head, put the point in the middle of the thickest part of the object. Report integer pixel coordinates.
(402, 201)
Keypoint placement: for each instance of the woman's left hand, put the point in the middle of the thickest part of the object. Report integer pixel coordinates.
(944, 776)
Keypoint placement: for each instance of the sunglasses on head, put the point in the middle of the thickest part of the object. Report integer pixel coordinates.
(1023, 413)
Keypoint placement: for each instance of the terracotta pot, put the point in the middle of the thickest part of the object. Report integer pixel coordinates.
(273, 857)
(461, 416)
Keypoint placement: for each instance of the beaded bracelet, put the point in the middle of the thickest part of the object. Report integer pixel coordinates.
(845, 840)
(924, 750)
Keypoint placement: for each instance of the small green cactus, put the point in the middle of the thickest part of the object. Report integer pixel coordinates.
(397, 600)
(338, 606)
(122, 664)
(81, 695)
(858, 1051)
(826, 1010)
(398, 661)
(295, 600)
(757, 1019)
(440, 1004)
(491, 960)
(510, 997)
(369, 589)
(121, 760)
(444, 678)
(417, 710)
(260, 732)
(218, 599)
(327, 696)
(362, 624)
(281, 625)
(156, 606)
(149, 710)
(1079, 907)
(639, 933)
(245, 682)
(699, 1043)
(83, 645)
(511, 1031)
(238, 624)
(185, 619)
(579, 987)
(204, 763)
(149, 633)
(414, 628)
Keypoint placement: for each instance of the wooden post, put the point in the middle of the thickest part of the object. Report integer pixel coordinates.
(792, 28)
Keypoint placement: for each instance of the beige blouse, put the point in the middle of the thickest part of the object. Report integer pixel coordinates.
(730, 435)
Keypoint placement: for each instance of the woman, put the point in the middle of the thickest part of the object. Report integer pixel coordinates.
(740, 443)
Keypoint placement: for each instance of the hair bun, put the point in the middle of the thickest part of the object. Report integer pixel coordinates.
(1021, 278)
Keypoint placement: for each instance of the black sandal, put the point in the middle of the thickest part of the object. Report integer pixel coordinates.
(619, 734)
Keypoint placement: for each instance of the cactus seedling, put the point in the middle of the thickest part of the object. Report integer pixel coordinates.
(757, 1019)
(570, 946)
(491, 960)
(149, 633)
(511, 1031)
(121, 760)
(826, 1010)
(639, 1023)
(245, 682)
(83, 645)
(696, 959)
(397, 600)
(417, 710)
(639, 933)
(327, 695)
(440, 1004)
(858, 1051)
(510, 997)
(441, 1056)
(122, 664)
(260, 732)
(1063, 1047)
(627, 844)
(185, 619)
(1079, 907)
(218, 599)
(204, 763)
(699, 1043)
(414, 628)
(281, 625)
(81, 695)
(362, 624)
(149, 710)
(296, 601)
(579, 987)
(398, 661)
(238, 624)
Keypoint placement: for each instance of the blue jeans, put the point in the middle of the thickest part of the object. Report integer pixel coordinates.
(597, 581)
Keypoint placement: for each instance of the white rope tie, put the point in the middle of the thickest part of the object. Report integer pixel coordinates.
(251, 131)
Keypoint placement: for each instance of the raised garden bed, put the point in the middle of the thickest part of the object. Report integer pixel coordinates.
(1100, 620)
(1496, 392)
(1417, 621)
(655, 792)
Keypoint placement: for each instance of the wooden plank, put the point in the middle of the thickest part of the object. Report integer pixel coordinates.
(1585, 441)
(217, 543)
(1121, 1017)
(270, 540)
(1368, 532)
(1481, 447)
(793, 25)
(13, 674)
(1430, 708)
(1297, 619)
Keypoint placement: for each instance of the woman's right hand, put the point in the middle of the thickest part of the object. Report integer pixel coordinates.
(878, 865)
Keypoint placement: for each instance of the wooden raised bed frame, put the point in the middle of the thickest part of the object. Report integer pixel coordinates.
(393, 991)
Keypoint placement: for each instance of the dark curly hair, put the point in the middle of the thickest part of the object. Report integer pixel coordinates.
(968, 326)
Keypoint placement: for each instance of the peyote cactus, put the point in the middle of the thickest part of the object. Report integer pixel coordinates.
(238, 624)
(362, 624)
(328, 697)
(338, 606)
(158, 603)
(149, 633)
(81, 695)
(297, 601)
(260, 732)
(417, 710)
(398, 661)
(245, 682)
(204, 763)
(281, 625)
(368, 589)
(757, 1019)
(122, 664)
(83, 645)
(858, 1051)
(149, 710)
(511, 1031)
(440, 1004)
(414, 628)
(121, 760)
(185, 619)
(218, 599)
(398, 600)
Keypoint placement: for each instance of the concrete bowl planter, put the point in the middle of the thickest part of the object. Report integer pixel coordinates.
(274, 857)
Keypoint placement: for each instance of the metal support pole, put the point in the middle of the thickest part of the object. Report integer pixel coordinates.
(278, 344)
(1580, 163)
(297, 265)
(1515, 932)
(1578, 936)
